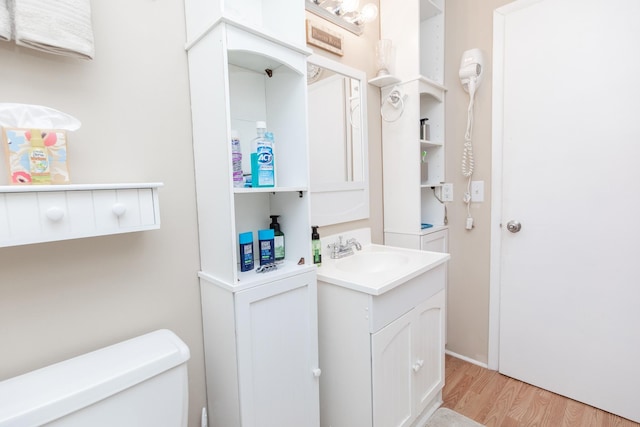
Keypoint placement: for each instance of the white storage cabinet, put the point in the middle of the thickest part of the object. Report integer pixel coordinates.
(247, 63)
(261, 352)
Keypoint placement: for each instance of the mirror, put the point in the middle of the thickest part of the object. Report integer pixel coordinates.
(337, 142)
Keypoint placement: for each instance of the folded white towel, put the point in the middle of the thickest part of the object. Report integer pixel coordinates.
(5, 21)
(62, 27)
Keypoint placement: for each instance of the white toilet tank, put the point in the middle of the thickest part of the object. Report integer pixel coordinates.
(141, 382)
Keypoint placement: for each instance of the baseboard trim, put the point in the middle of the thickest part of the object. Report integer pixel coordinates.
(466, 359)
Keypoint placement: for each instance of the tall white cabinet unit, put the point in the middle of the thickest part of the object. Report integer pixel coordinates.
(409, 198)
(247, 63)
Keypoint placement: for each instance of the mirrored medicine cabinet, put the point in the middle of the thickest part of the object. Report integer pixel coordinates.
(339, 165)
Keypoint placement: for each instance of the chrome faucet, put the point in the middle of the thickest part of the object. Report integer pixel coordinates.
(339, 250)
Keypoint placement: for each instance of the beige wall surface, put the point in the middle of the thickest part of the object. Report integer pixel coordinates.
(469, 24)
(62, 299)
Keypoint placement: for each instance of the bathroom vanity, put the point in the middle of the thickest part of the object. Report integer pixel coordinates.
(381, 323)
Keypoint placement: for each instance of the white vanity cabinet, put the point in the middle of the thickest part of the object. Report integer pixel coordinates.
(411, 348)
(414, 164)
(247, 63)
(382, 355)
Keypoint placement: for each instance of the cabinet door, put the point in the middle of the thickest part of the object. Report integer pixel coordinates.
(428, 377)
(435, 242)
(277, 343)
(392, 371)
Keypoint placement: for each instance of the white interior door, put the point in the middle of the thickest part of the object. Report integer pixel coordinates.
(567, 122)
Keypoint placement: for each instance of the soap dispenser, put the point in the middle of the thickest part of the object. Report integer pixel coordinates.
(278, 238)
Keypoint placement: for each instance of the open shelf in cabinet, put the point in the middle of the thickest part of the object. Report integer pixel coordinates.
(430, 144)
(252, 213)
(432, 210)
(250, 279)
(250, 190)
(239, 78)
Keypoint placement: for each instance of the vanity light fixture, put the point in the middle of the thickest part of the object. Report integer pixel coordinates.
(343, 13)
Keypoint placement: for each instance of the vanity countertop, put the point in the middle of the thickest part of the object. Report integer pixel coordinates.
(377, 269)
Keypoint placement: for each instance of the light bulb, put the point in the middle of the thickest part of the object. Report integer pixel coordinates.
(367, 14)
(349, 6)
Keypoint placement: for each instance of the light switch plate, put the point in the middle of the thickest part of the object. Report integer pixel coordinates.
(477, 191)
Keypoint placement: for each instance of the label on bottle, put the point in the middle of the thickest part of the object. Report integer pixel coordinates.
(236, 159)
(266, 172)
(316, 250)
(278, 241)
(266, 252)
(246, 257)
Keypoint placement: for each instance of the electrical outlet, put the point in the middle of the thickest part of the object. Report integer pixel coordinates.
(447, 192)
(477, 191)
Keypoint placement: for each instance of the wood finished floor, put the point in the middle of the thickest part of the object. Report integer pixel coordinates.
(495, 400)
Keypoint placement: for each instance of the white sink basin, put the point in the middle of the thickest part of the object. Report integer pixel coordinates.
(378, 268)
(372, 262)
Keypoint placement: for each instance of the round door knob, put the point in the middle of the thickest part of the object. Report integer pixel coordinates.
(514, 226)
(317, 372)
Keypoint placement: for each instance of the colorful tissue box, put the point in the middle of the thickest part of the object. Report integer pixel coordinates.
(18, 148)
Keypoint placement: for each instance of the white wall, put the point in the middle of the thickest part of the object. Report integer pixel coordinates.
(61, 299)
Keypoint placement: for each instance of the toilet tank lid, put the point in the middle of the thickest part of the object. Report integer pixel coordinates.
(51, 392)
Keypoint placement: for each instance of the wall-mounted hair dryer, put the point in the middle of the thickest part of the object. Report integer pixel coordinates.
(471, 70)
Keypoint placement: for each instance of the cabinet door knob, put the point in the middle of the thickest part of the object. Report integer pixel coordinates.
(118, 209)
(317, 372)
(54, 213)
(416, 366)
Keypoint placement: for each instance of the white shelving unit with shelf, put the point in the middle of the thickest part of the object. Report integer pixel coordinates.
(46, 213)
(247, 63)
(419, 75)
(382, 81)
(232, 90)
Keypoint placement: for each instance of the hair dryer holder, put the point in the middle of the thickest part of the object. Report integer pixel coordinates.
(471, 70)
